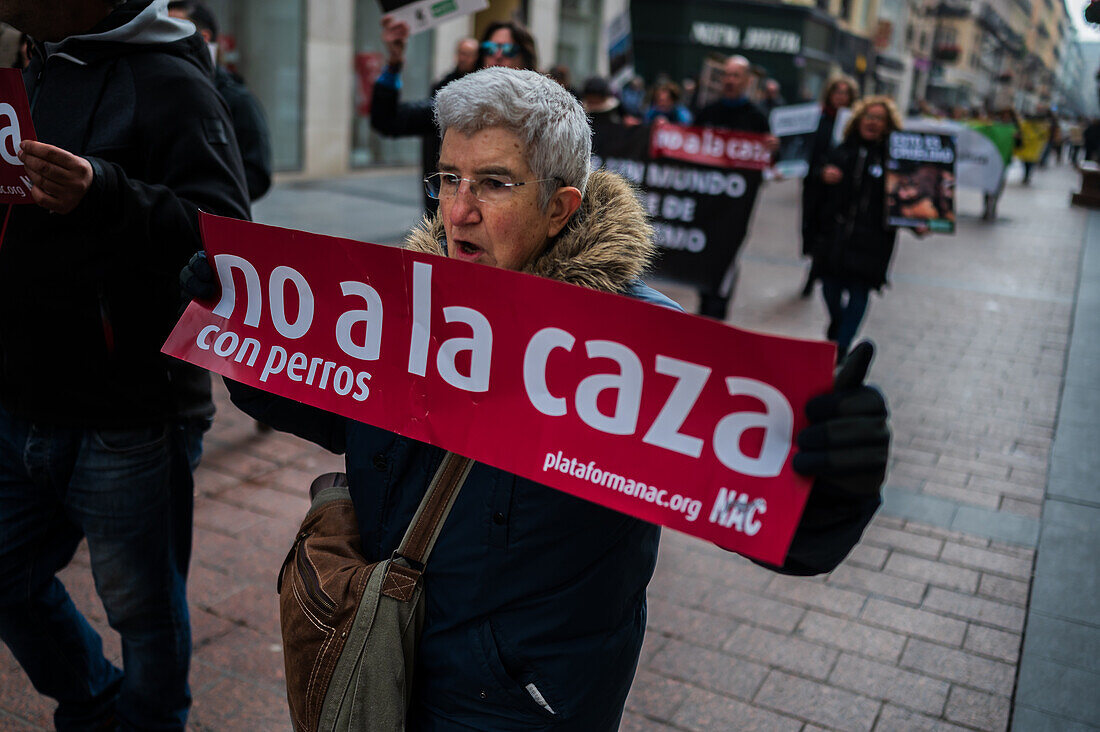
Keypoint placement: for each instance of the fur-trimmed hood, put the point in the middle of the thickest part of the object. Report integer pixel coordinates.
(606, 246)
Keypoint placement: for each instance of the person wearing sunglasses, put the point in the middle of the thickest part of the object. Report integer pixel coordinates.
(504, 43)
(536, 600)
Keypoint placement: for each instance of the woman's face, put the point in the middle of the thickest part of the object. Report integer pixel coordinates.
(662, 99)
(872, 124)
(840, 96)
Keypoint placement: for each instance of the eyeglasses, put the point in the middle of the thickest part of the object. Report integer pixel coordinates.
(487, 189)
(507, 50)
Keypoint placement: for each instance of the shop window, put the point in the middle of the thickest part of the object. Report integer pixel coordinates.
(368, 148)
(263, 41)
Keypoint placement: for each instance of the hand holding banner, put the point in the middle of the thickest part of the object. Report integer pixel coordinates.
(671, 418)
(15, 126)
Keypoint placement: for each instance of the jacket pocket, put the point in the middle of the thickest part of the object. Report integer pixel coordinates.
(525, 693)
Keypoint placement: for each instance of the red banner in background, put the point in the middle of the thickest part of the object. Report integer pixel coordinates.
(15, 126)
(711, 146)
(672, 418)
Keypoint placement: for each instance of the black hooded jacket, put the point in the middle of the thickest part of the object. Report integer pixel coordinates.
(88, 298)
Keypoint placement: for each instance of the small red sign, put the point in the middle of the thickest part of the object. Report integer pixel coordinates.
(668, 417)
(710, 146)
(15, 126)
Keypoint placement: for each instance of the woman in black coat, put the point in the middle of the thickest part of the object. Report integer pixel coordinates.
(840, 93)
(853, 253)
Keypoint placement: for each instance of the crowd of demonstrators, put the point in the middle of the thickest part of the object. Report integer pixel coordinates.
(504, 43)
(100, 432)
(549, 588)
(840, 92)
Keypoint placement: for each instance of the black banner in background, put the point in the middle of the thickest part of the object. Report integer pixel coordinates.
(700, 213)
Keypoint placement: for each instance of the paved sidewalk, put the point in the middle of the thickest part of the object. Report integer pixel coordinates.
(988, 352)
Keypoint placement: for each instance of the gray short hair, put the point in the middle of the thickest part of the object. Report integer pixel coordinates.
(550, 122)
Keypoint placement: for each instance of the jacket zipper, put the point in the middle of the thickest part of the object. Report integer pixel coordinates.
(311, 583)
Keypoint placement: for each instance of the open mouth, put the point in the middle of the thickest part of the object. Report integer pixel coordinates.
(467, 250)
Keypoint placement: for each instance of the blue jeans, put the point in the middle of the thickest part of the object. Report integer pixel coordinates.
(120, 488)
(845, 315)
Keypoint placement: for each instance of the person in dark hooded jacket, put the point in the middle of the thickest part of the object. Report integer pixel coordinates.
(536, 599)
(99, 431)
(852, 255)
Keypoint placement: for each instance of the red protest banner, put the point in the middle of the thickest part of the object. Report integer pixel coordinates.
(15, 126)
(710, 146)
(672, 418)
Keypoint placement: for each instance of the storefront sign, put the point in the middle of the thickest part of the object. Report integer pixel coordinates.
(672, 418)
(750, 38)
(15, 126)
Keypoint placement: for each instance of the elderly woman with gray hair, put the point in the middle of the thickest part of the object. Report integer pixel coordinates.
(535, 600)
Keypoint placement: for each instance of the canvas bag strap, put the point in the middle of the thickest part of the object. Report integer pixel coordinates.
(436, 505)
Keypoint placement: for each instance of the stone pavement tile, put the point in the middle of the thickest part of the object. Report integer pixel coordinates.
(968, 607)
(978, 709)
(959, 666)
(1057, 688)
(208, 587)
(877, 584)
(709, 669)
(894, 719)
(254, 607)
(216, 514)
(247, 654)
(232, 704)
(814, 593)
(1030, 509)
(921, 546)
(962, 495)
(238, 463)
(911, 621)
(1062, 641)
(237, 556)
(256, 497)
(707, 712)
(655, 695)
(932, 572)
(752, 608)
(848, 635)
(889, 683)
(998, 644)
(1004, 589)
(781, 651)
(1026, 719)
(867, 556)
(676, 621)
(1066, 583)
(637, 723)
(207, 626)
(27, 709)
(274, 535)
(816, 702)
(679, 588)
(996, 525)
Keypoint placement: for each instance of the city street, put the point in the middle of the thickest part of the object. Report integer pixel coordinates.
(987, 352)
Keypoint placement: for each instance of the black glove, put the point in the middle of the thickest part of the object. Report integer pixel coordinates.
(847, 443)
(197, 278)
